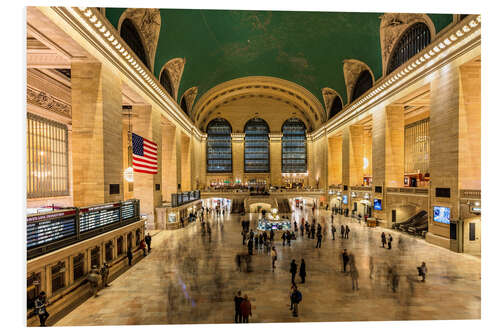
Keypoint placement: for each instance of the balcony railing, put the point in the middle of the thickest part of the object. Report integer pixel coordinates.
(409, 190)
(470, 194)
(47, 232)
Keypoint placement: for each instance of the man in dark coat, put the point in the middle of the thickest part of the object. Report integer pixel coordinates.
(389, 243)
(333, 231)
(383, 239)
(271, 235)
(342, 230)
(313, 231)
(129, 256)
(302, 230)
(148, 241)
(345, 259)
(302, 271)
(347, 231)
(283, 237)
(250, 246)
(293, 270)
(41, 308)
(238, 318)
(320, 237)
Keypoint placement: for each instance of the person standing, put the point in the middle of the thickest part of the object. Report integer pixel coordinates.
(250, 246)
(302, 271)
(295, 226)
(347, 231)
(245, 309)
(271, 235)
(342, 231)
(302, 230)
(237, 307)
(296, 299)
(422, 271)
(293, 270)
(104, 274)
(143, 247)
(383, 239)
(345, 259)
(283, 237)
(41, 308)
(129, 256)
(389, 242)
(308, 230)
(333, 231)
(244, 236)
(93, 279)
(148, 242)
(313, 230)
(288, 238)
(320, 237)
(354, 277)
(274, 257)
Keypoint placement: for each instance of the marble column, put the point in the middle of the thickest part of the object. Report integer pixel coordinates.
(275, 158)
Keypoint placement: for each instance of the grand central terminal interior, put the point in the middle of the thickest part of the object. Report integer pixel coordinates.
(232, 166)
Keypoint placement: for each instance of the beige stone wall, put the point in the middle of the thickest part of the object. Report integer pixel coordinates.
(275, 158)
(169, 161)
(97, 133)
(356, 154)
(335, 160)
(238, 149)
(186, 152)
(367, 153)
(469, 172)
(394, 143)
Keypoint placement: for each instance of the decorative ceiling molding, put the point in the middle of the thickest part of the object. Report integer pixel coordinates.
(393, 25)
(329, 95)
(174, 68)
(148, 23)
(260, 86)
(88, 24)
(352, 69)
(189, 96)
(458, 40)
(47, 102)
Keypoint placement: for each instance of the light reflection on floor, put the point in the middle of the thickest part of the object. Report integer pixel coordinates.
(190, 279)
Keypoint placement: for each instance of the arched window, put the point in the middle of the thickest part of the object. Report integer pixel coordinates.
(219, 153)
(336, 107)
(363, 83)
(131, 36)
(413, 40)
(184, 105)
(165, 82)
(293, 146)
(256, 146)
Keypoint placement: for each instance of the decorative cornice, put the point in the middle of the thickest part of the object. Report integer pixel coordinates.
(459, 39)
(48, 102)
(352, 68)
(95, 29)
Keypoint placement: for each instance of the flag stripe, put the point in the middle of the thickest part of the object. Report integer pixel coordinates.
(145, 155)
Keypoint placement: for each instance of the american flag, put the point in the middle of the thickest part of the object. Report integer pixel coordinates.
(145, 155)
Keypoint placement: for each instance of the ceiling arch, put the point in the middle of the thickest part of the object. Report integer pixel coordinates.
(293, 97)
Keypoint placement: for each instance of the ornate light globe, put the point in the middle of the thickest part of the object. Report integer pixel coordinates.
(129, 174)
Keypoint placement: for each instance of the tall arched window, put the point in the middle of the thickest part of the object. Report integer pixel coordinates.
(363, 83)
(256, 146)
(165, 82)
(336, 107)
(293, 146)
(219, 153)
(131, 36)
(413, 40)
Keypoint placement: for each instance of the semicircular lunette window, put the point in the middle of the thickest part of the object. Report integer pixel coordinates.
(293, 147)
(413, 40)
(256, 146)
(363, 83)
(165, 82)
(219, 153)
(336, 107)
(131, 36)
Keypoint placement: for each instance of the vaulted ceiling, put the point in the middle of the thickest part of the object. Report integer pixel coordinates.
(307, 48)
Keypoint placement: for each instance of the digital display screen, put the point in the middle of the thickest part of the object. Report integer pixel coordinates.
(344, 199)
(94, 219)
(43, 232)
(442, 214)
(377, 204)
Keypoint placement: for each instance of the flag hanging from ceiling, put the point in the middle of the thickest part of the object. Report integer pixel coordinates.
(144, 155)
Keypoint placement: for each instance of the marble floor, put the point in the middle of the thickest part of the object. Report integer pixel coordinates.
(189, 279)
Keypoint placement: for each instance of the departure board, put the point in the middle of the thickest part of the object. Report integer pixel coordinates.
(128, 210)
(46, 228)
(99, 216)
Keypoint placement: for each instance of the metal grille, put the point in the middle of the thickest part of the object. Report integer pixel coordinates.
(293, 147)
(119, 246)
(58, 280)
(108, 251)
(417, 146)
(95, 257)
(47, 158)
(78, 266)
(256, 146)
(363, 83)
(336, 106)
(413, 40)
(219, 148)
(131, 36)
(165, 82)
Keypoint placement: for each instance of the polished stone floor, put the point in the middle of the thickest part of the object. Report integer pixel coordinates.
(189, 278)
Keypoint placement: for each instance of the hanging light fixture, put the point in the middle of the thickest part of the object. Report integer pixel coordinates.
(128, 174)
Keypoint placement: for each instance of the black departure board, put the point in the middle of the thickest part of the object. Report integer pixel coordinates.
(128, 210)
(46, 228)
(99, 216)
